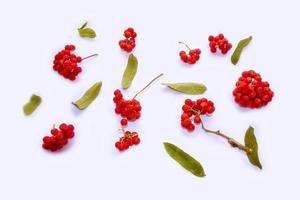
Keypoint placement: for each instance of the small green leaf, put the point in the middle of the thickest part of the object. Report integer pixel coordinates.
(33, 103)
(250, 142)
(130, 71)
(88, 97)
(238, 50)
(87, 32)
(184, 159)
(187, 88)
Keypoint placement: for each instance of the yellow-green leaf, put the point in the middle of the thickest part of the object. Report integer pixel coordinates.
(87, 32)
(88, 97)
(187, 88)
(130, 71)
(250, 142)
(238, 50)
(33, 103)
(184, 159)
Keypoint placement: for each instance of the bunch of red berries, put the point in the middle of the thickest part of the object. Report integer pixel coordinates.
(129, 139)
(59, 137)
(219, 42)
(128, 109)
(251, 91)
(128, 44)
(66, 63)
(192, 57)
(192, 111)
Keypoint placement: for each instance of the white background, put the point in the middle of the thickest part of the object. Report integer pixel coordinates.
(90, 167)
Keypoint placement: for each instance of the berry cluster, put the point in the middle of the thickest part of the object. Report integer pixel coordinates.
(129, 139)
(66, 63)
(219, 42)
(192, 57)
(59, 137)
(192, 111)
(128, 109)
(251, 91)
(128, 44)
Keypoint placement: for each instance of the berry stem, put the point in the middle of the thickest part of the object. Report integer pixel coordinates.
(90, 56)
(147, 85)
(187, 46)
(122, 129)
(230, 140)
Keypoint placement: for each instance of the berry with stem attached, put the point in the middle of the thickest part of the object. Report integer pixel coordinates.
(193, 55)
(66, 63)
(130, 110)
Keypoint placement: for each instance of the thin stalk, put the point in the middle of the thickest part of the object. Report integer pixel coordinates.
(147, 85)
(187, 46)
(230, 140)
(90, 56)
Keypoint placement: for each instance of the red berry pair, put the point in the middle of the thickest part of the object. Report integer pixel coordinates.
(128, 109)
(128, 44)
(219, 42)
(192, 111)
(251, 91)
(66, 63)
(59, 137)
(129, 139)
(192, 57)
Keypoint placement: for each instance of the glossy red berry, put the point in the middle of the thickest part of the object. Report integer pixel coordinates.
(124, 122)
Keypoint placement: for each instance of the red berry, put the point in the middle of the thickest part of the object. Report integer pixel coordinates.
(197, 119)
(136, 140)
(63, 127)
(124, 122)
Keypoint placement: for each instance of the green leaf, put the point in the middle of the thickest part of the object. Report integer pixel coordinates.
(187, 88)
(33, 103)
(130, 71)
(87, 32)
(184, 159)
(250, 142)
(238, 50)
(88, 97)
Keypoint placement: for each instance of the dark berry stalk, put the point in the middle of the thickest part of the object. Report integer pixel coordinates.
(230, 140)
(144, 88)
